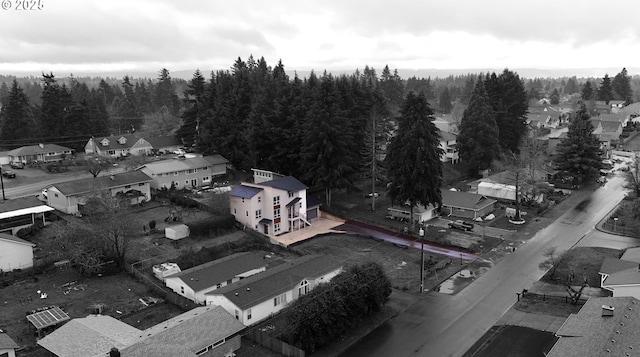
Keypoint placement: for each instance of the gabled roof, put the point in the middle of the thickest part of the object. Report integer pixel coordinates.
(287, 183)
(610, 126)
(114, 141)
(589, 334)
(612, 265)
(633, 108)
(19, 206)
(37, 149)
(158, 142)
(612, 117)
(7, 342)
(446, 136)
(465, 200)
(14, 239)
(173, 165)
(244, 191)
(257, 288)
(207, 275)
(89, 336)
(101, 183)
(185, 334)
(629, 276)
(632, 255)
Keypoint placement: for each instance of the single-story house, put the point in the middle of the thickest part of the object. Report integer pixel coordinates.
(40, 152)
(259, 296)
(15, 253)
(273, 207)
(193, 283)
(8, 346)
(203, 331)
(23, 212)
(420, 213)
(606, 326)
(67, 196)
(622, 276)
(466, 204)
(185, 172)
(130, 144)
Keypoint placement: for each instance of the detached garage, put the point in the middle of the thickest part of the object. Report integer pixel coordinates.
(466, 205)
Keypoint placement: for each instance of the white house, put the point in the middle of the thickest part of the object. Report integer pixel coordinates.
(193, 283)
(257, 297)
(448, 145)
(184, 173)
(15, 253)
(8, 346)
(40, 152)
(622, 276)
(67, 196)
(272, 207)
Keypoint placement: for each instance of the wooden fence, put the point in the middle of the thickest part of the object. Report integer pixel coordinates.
(273, 344)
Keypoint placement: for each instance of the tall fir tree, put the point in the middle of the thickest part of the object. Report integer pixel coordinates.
(413, 161)
(444, 102)
(478, 141)
(587, 92)
(165, 93)
(195, 107)
(605, 92)
(16, 119)
(621, 86)
(579, 154)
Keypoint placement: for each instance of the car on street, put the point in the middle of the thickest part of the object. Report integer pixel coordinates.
(17, 165)
(462, 225)
(8, 174)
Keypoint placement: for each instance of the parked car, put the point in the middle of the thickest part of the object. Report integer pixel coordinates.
(372, 194)
(462, 225)
(17, 165)
(8, 174)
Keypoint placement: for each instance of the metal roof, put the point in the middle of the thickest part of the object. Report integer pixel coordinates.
(288, 183)
(245, 191)
(49, 317)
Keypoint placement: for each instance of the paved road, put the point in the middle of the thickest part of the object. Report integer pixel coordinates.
(448, 325)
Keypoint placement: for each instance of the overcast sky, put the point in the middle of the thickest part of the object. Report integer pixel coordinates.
(132, 36)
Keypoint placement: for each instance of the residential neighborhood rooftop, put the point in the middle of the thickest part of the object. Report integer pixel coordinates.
(101, 182)
(19, 206)
(7, 342)
(12, 238)
(208, 274)
(465, 199)
(38, 149)
(249, 291)
(173, 165)
(244, 191)
(287, 183)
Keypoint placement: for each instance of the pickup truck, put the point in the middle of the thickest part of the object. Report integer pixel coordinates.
(462, 225)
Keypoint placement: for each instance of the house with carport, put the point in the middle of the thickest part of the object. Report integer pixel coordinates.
(257, 297)
(194, 282)
(67, 197)
(466, 204)
(273, 207)
(23, 212)
(15, 253)
(182, 173)
(39, 153)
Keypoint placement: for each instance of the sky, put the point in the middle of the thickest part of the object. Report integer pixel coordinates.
(117, 36)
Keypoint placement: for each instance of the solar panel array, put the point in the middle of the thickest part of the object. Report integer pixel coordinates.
(48, 317)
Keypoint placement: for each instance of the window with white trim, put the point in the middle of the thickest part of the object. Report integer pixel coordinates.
(249, 314)
(279, 300)
(303, 289)
(276, 200)
(258, 213)
(276, 213)
(276, 227)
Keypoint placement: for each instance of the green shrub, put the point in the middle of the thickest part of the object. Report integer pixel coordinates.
(211, 227)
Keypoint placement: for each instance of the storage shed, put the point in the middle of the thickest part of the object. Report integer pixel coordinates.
(177, 232)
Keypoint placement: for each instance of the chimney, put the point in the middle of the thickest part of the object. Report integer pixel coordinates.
(607, 310)
(41, 146)
(114, 352)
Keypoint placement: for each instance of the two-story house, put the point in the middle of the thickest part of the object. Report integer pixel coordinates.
(40, 152)
(259, 296)
(185, 173)
(272, 207)
(67, 196)
(448, 145)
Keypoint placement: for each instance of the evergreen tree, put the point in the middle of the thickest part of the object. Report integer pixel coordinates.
(392, 87)
(444, 101)
(143, 96)
(413, 161)
(195, 107)
(571, 86)
(621, 85)
(325, 152)
(129, 118)
(4, 93)
(16, 120)
(579, 154)
(605, 92)
(508, 99)
(478, 141)
(587, 92)
(165, 93)
(55, 101)
(555, 96)
(468, 90)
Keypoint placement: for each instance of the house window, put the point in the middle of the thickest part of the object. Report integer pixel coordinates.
(127, 186)
(141, 184)
(276, 213)
(279, 300)
(242, 199)
(290, 194)
(276, 227)
(186, 182)
(182, 289)
(111, 152)
(176, 183)
(276, 200)
(219, 285)
(55, 194)
(249, 314)
(176, 173)
(303, 289)
(190, 171)
(234, 211)
(258, 213)
(259, 199)
(247, 213)
(237, 315)
(166, 174)
(206, 179)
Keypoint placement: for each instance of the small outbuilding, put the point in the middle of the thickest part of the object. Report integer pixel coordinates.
(177, 232)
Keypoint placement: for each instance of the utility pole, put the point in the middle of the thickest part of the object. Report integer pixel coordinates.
(2, 183)
(421, 233)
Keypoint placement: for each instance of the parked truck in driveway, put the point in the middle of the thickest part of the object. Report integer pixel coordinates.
(462, 225)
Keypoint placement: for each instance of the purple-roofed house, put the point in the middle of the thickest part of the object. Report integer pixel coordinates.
(273, 207)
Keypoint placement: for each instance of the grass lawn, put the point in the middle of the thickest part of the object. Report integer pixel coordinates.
(585, 263)
(552, 307)
(513, 341)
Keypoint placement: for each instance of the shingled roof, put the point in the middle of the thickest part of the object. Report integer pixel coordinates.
(287, 183)
(465, 200)
(173, 165)
(39, 149)
(101, 183)
(274, 281)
